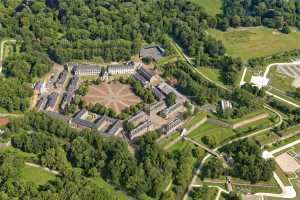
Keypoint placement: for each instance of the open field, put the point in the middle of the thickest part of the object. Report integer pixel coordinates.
(208, 129)
(212, 73)
(256, 41)
(36, 175)
(213, 7)
(113, 95)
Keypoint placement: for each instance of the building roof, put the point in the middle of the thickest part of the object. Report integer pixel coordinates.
(86, 67)
(52, 98)
(146, 73)
(92, 125)
(140, 128)
(117, 67)
(158, 94)
(115, 128)
(152, 51)
(73, 84)
(62, 77)
(136, 116)
(140, 78)
(39, 85)
(170, 109)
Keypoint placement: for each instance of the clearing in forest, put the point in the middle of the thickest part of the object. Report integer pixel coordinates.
(256, 41)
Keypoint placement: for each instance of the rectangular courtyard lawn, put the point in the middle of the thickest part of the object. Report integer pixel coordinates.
(256, 41)
(207, 129)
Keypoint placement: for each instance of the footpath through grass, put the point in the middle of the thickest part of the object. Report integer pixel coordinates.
(256, 41)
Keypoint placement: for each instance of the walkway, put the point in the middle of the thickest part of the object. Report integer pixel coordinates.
(242, 82)
(41, 167)
(202, 146)
(282, 99)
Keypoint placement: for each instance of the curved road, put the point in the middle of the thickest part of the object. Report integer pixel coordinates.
(178, 49)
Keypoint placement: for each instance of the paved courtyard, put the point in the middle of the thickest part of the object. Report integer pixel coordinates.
(113, 95)
(287, 163)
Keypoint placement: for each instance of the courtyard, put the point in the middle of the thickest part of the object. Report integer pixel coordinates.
(113, 95)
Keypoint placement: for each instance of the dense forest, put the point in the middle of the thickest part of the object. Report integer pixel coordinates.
(277, 14)
(145, 173)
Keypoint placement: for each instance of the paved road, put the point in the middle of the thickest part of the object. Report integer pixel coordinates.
(282, 99)
(178, 49)
(202, 147)
(242, 82)
(2, 51)
(234, 140)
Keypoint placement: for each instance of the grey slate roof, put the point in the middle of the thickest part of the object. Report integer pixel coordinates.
(152, 51)
(73, 84)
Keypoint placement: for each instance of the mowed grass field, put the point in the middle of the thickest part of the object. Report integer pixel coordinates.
(212, 7)
(36, 175)
(207, 129)
(256, 41)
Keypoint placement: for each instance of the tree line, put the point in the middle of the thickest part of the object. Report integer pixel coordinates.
(147, 173)
(277, 14)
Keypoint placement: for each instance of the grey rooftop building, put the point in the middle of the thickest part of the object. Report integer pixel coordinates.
(152, 51)
(86, 69)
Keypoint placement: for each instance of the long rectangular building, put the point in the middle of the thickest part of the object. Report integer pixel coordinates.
(141, 130)
(138, 118)
(173, 125)
(155, 107)
(51, 102)
(170, 110)
(61, 79)
(86, 69)
(73, 84)
(120, 69)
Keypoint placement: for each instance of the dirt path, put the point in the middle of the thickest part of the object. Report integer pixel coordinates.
(41, 167)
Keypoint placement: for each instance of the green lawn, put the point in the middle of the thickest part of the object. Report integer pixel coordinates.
(218, 132)
(213, 7)
(212, 73)
(195, 119)
(164, 142)
(256, 41)
(36, 175)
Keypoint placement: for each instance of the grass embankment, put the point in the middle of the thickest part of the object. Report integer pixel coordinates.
(195, 119)
(212, 7)
(209, 129)
(256, 41)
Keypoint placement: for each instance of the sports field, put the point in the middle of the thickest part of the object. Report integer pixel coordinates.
(256, 41)
(213, 7)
